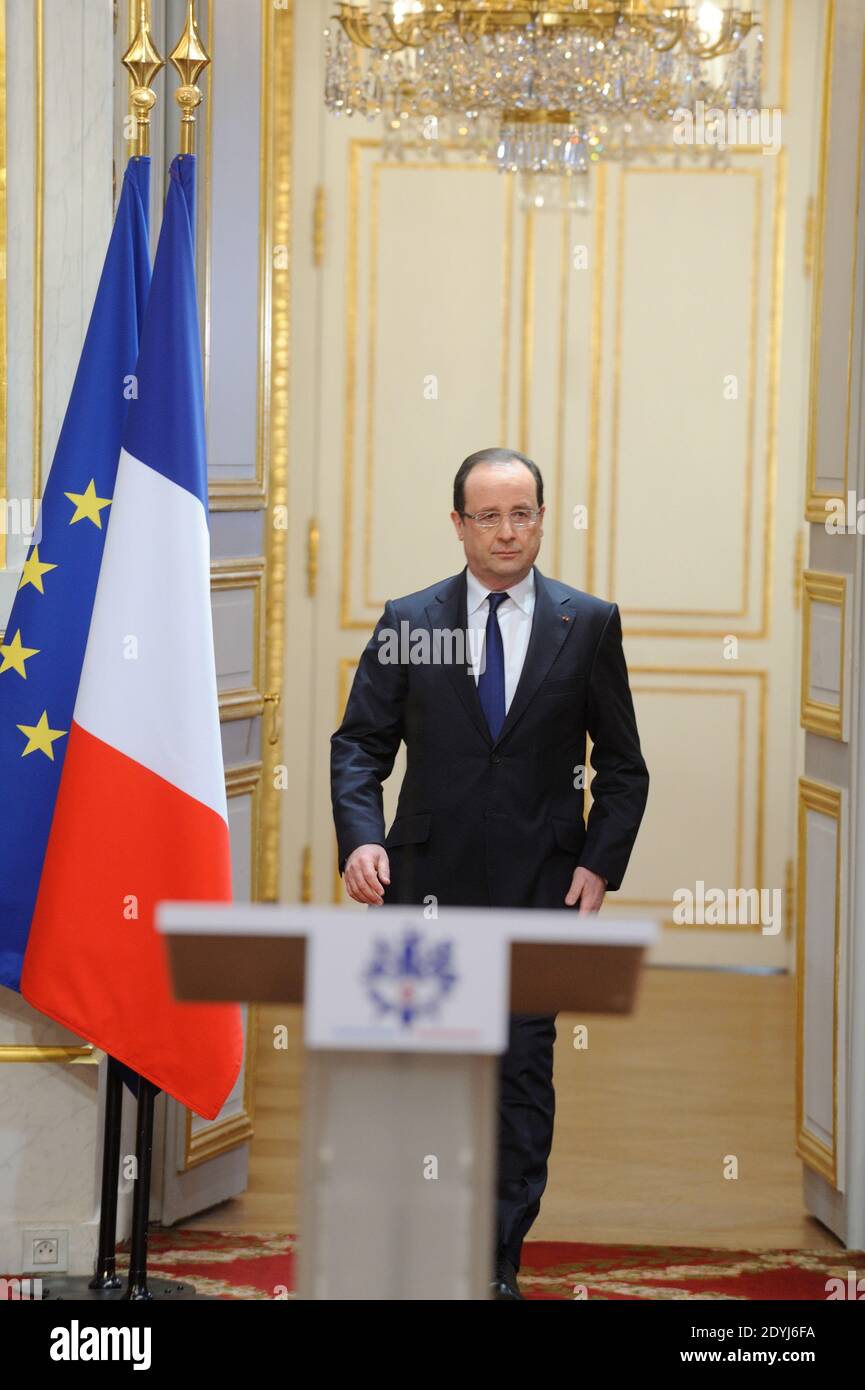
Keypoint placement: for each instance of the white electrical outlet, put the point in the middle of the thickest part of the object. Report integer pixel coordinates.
(44, 1249)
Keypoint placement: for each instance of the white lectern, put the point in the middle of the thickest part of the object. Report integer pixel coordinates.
(405, 1015)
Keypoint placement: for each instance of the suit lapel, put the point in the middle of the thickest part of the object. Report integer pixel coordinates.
(449, 611)
(545, 642)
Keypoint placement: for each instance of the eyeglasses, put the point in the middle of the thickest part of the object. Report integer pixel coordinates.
(520, 517)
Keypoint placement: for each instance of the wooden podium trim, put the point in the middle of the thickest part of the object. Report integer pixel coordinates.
(546, 977)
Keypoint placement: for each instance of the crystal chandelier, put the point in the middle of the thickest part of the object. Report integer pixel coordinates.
(544, 87)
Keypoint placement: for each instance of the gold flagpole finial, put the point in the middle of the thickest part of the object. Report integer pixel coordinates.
(142, 61)
(190, 58)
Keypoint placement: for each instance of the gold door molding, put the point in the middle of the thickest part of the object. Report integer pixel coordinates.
(251, 493)
(690, 688)
(821, 716)
(244, 702)
(276, 325)
(827, 801)
(764, 534)
(357, 147)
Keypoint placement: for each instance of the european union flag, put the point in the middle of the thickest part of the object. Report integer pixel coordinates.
(42, 650)
(141, 816)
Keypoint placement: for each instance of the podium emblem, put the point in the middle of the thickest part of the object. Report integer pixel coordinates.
(410, 976)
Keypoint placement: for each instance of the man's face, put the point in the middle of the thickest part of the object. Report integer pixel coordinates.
(499, 555)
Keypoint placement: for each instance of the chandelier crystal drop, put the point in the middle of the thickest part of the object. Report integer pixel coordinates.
(538, 86)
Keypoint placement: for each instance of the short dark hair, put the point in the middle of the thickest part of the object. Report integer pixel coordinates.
(493, 456)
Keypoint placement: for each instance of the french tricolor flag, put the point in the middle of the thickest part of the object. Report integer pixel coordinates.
(141, 812)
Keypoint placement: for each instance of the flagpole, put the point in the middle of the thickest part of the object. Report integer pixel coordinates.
(190, 58)
(137, 1287)
(106, 1277)
(143, 62)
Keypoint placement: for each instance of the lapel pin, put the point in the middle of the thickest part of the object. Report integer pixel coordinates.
(565, 618)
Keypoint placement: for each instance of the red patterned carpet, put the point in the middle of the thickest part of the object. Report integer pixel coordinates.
(227, 1265)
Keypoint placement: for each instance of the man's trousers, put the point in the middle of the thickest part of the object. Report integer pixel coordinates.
(527, 1106)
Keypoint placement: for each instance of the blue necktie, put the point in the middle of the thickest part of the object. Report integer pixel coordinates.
(491, 682)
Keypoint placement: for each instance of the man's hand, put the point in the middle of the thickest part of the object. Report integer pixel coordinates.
(587, 889)
(366, 869)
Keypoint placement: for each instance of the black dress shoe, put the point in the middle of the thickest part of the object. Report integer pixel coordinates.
(505, 1284)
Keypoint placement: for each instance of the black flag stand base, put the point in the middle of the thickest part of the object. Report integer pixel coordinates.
(106, 1284)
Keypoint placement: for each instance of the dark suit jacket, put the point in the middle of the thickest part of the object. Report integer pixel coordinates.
(483, 822)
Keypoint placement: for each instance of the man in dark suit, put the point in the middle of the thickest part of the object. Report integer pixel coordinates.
(490, 811)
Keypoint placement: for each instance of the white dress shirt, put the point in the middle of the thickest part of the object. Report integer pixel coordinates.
(515, 625)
